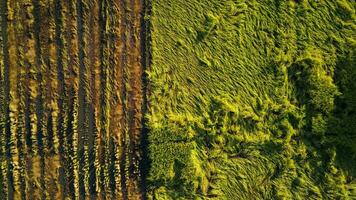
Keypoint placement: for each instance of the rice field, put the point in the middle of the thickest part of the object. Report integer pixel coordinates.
(252, 99)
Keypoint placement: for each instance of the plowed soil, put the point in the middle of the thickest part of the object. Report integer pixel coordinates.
(71, 99)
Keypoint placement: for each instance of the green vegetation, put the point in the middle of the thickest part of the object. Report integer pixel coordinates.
(252, 99)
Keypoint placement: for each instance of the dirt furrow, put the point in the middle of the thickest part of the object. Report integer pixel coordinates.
(104, 101)
(39, 101)
(62, 70)
(83, 97)
(45, 115)
(145, 64)
(123, 10)
(12, 99)
(2, 106)
(7, 191)
(93, 62)
(72, 83)
(115, 103)
(136, 97)
(119, 86)
(30, 86)
(52, 102)
(23, 131)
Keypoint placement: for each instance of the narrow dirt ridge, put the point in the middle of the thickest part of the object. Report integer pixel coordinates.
(72, 97)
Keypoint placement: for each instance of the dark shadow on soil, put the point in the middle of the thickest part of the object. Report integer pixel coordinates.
(145, 63)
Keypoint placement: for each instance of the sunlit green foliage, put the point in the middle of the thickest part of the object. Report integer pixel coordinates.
(252, 99)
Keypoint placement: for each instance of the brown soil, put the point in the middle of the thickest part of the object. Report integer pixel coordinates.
(71, 97)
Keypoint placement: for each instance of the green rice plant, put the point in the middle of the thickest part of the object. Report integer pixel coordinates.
(256, 86)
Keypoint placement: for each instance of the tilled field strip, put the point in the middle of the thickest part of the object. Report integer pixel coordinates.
(71, 97)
